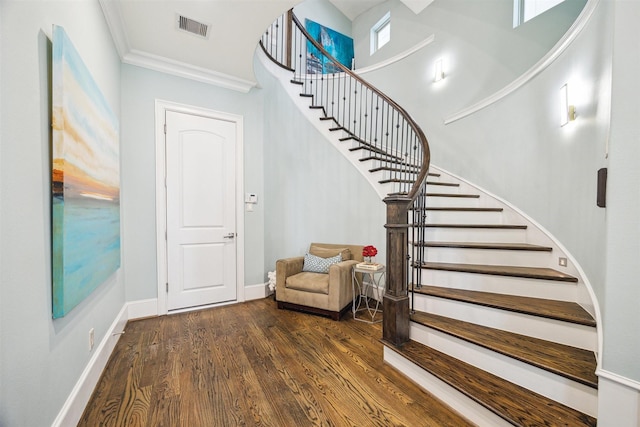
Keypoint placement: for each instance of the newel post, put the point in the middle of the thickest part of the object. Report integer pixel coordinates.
(395, 323)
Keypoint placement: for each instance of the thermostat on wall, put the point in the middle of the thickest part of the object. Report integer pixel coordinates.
(251, 198)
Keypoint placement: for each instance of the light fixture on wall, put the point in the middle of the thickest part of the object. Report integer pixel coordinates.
(567, 111)
(439, 71)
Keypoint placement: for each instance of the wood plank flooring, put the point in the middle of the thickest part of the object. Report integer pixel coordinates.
(253, 365)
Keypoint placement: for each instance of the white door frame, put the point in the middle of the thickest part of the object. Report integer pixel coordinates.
(161, 197)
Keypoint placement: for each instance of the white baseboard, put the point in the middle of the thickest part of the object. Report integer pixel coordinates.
(74, 406)
(619, 400)
(142, 308)
(261, 290)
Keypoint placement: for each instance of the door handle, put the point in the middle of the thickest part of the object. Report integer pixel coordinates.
(229, 236)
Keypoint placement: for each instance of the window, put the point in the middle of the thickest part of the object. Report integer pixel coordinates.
(524, 10)
(381, 33)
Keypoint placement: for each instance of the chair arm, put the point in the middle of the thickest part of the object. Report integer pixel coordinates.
(287, 267)
(340, 292)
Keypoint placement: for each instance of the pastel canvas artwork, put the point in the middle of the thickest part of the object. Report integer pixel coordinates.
(85, 181)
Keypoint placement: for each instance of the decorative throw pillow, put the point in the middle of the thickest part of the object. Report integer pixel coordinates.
(315, 264)
(323, 252)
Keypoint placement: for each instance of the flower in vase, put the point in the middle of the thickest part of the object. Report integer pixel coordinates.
(369, 252)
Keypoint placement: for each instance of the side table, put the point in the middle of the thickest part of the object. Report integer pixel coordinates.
(364, 289)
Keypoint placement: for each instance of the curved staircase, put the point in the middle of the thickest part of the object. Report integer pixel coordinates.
(497, 329)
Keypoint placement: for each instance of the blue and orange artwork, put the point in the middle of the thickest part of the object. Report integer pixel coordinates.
(336, 44)
(85, 181)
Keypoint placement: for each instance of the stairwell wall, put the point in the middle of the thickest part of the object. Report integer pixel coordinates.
(312, 192)
(516, 148)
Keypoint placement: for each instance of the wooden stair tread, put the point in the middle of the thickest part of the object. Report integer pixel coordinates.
(410, 169)
(569, 362)
(458, 209)
(480, 245)
(489, 226)
(550, 309)
(467, 196)
(515, 404)
(444, 184)
(503, 270)
(396, 181)
(296, 82)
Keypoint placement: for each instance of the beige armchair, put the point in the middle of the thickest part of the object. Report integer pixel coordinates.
(329, 294)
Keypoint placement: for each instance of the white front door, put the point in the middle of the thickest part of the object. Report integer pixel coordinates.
(201, 215)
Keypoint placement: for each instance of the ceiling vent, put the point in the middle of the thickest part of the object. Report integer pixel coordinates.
(192, 26)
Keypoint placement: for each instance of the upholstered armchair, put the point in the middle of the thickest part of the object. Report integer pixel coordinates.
(304, 287)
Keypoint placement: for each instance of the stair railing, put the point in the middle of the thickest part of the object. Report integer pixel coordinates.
(378, 127)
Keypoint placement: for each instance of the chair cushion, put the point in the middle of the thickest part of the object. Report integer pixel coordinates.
(309, 282)
(316, 264)
(324, 252)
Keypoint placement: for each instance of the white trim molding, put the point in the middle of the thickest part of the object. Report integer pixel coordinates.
(618, 400)
(540, 66)
(115, 22)
(180, 69)
(258, 291)
(161, 107)
(398, 57)
(72, 410)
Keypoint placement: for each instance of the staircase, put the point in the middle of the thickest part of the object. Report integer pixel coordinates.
(496, 328)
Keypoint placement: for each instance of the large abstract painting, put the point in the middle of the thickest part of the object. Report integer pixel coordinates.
(336, 44)
(85, 181)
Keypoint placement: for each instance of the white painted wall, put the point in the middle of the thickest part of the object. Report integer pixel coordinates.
(140, 88)
(476, 39)
(621, 298)
(41, 359)
(324, 13)
(516, 148)
(312, 192)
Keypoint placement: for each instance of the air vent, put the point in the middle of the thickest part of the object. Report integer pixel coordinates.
(192, 26)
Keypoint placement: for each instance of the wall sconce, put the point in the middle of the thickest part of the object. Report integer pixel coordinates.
(567, 111)
(439, 74)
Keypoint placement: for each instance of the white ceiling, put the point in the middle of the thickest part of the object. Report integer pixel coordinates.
(145, 33)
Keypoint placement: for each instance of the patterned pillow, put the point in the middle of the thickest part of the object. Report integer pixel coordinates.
(315, 264)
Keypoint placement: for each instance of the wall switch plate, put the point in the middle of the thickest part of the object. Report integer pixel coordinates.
(91, 339)
(562, 262)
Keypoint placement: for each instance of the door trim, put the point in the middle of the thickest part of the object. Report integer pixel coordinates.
(161, 107)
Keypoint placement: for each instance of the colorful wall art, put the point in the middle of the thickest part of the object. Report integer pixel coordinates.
(336, 44)
(85, 181)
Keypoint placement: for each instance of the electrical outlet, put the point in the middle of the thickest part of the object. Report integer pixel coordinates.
(91, 339)
(562, 262)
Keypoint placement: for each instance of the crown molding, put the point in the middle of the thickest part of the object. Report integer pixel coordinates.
(113, 15)
(192, 72)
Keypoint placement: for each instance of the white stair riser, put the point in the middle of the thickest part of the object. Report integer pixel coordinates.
(556, 387)
(536, 288)
(462, 404)
(464, 217)
(467, 202)
(489, 256)
(442, 189)
(566, 333)
(482, 235)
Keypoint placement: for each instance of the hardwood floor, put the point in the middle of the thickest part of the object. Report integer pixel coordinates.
(251, 364)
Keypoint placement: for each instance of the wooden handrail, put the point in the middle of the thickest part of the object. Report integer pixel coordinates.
(422, 176)
(378, 124)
